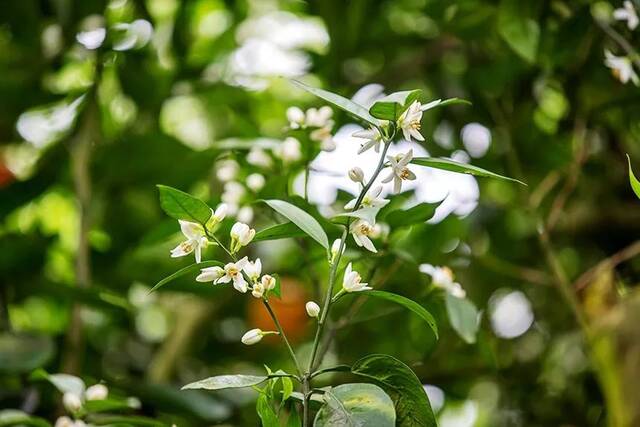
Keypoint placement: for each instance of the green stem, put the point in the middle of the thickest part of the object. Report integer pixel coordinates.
(284, 337)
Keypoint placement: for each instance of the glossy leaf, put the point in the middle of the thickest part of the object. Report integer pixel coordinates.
(180, 205)
(401, 383)
(303, 220)
(355, 405)
(635, 184)
(463, 316)
(279, 231)
(65, 383)
(341, 102)
(226, 381)
(414, 215)
(392, 106)
(184, 271)
(409, 304)
(453, 166)
(266, 413)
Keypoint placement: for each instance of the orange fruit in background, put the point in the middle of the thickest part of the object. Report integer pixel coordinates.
(290, 311)
(6, 176)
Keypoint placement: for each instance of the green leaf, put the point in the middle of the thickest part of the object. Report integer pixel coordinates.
(24, 353)
(441, 103)
(105, 405)
(635, 184)
(180, 205)
(354, 405)
(279, 231)
(463, 316)
(392, 106)
(414, 215)
(401, 383)
(306, 222)
(407, 303)
(521, 33)
(341, 102)
(266, 413)
(184, 271)
(453, 166)
(226, 381)
(124, 420)
(13, 417)
(65, 383)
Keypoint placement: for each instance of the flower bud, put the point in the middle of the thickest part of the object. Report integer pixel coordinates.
(227, 170)
(269, 282)
(217, 216)
(96, 392)
(252, 337)
(255, 182)
(356, 174)
(335, 247)
(210, 274)
(313, 309)
(296, 117)
(71, 402)
(64, 422)
(258, 290)
(245, 214)
(241, 235)
(290, 150)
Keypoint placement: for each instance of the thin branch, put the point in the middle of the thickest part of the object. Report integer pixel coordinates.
(619, 257)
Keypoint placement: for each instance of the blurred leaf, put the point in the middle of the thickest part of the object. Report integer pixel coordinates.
(184, 271)
(279, 231)
(226, 381)
(453, 166)
(463, 316)
(392, 106)
(180, 205)
(635, 184)
(414, 215)
(105, 405)
(265, 412)
(519, 32)
(407, 303)
(13, 417)
(124, 420)
(341, 102)
(65, 383)
(401, 383)
(22, 353)
(356, 405)
(306, 222)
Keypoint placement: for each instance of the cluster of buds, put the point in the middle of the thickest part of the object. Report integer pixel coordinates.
(318, 120)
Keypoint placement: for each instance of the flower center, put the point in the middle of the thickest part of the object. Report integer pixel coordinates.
(405, 173)
(232, 271)
(186, 246)
(415, 124)
(365, 229)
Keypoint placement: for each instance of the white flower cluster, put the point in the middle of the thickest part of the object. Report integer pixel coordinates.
(318, 121)
(442, 277)
(622, 66)
(196, 236)
(235, 192)
(74, 401)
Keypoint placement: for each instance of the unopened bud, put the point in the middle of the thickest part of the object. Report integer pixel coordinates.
(356, 174)
(313, 309)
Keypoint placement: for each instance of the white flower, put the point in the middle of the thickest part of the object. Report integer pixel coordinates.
(320, 117)
(335, 247)
(627, 13)
(290, 150)
(313, 309)
(218, 216)
(64, 422)
(622, 67)
(253, 269)
(241, 235)
(296, 117)
(79, 423)
(255, 182)
(370, 200)
(233, 193)
(210, 274)
(196, 240)
(380, 230)
(245, 214)
(442, 277)
(269, 282)
(71, 402)
(258, 290)
(227, 170)
(324, 137)
(92, 39)
(356, 174)
(373, 139)
(409, 122)
(252, 336)
(258, 157)
(96, 392)
(233, 272)
(399, 170)
(351, 281)
(360, 230)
